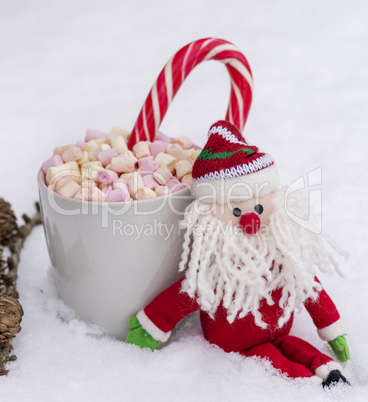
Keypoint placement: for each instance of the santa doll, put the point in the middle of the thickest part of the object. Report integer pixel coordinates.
(248, 266)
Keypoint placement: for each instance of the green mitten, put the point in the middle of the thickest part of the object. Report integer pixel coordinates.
(138, 336)
(340, 347)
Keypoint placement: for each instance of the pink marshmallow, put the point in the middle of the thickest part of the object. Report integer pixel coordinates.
(172, 182)
(105, 156)
(116, 195)
(122, 185)
(60, 150)
(106, 176)
(187, 180)
(92, 134)
(174, 185)
(55, 160)
(149, 181)
(177, 188)
(158, 146)
(72, 154)
(161, 190)
(80, 144)
(144, 160)
(162, 137)
(119, 182)
(105, 188)
(148, 166)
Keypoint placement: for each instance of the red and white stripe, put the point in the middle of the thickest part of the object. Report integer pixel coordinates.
(178, 68)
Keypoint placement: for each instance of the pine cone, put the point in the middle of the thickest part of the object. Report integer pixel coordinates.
(3, 267)
(11, 313)
(8, 222)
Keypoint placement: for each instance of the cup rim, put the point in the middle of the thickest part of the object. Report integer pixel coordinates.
(41, 182)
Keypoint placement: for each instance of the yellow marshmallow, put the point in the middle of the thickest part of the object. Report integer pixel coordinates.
(126, 176)
(176, 151)
(70, 189)
(101, 140)
(121, 131)
(162, 175)
(144, 193)
(90, 145)
(141, 149)
(123, 165)
(117, 142)
(55, 172)
(90, 170)
(187, 180)
(166, 159)
(135, 182)
(84, 158)
(183, 168)
(183, 141)
(92, 155)
(161, 190)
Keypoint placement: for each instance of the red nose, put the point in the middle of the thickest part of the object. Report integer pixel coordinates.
(250, 223)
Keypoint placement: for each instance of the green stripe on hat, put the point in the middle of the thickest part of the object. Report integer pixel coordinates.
(208, 155)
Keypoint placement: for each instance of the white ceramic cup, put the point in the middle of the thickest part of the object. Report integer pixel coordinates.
(110, 260)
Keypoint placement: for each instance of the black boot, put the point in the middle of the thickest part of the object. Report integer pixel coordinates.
(334, 378)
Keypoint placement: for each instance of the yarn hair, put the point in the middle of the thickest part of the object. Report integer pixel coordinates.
(225, 266)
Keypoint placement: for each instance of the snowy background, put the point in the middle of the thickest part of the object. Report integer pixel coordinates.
(70, 65)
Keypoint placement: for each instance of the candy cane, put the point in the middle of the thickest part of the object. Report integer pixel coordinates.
(175, 72)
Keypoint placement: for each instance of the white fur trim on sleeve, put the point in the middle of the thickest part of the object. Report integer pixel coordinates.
(332, 331)
(151, 328)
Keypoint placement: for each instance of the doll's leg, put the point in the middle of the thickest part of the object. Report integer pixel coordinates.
(270, 352)
(300, 351)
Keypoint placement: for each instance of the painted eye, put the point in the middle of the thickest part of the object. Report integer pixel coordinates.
(237, 212)
(259, 209)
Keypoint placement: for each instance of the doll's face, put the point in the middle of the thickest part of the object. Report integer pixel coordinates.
(249, 214)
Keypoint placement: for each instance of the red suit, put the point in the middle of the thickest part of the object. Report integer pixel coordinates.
(290, 354)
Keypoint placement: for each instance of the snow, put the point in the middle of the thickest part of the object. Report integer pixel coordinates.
(67, 66)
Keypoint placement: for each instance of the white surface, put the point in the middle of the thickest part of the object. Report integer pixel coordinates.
(67, 66)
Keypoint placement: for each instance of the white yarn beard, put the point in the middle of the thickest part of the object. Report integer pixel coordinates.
(235, 269)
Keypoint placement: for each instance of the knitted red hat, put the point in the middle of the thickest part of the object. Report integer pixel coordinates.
(230, 169)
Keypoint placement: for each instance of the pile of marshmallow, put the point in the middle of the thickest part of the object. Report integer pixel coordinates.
(101, 168)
